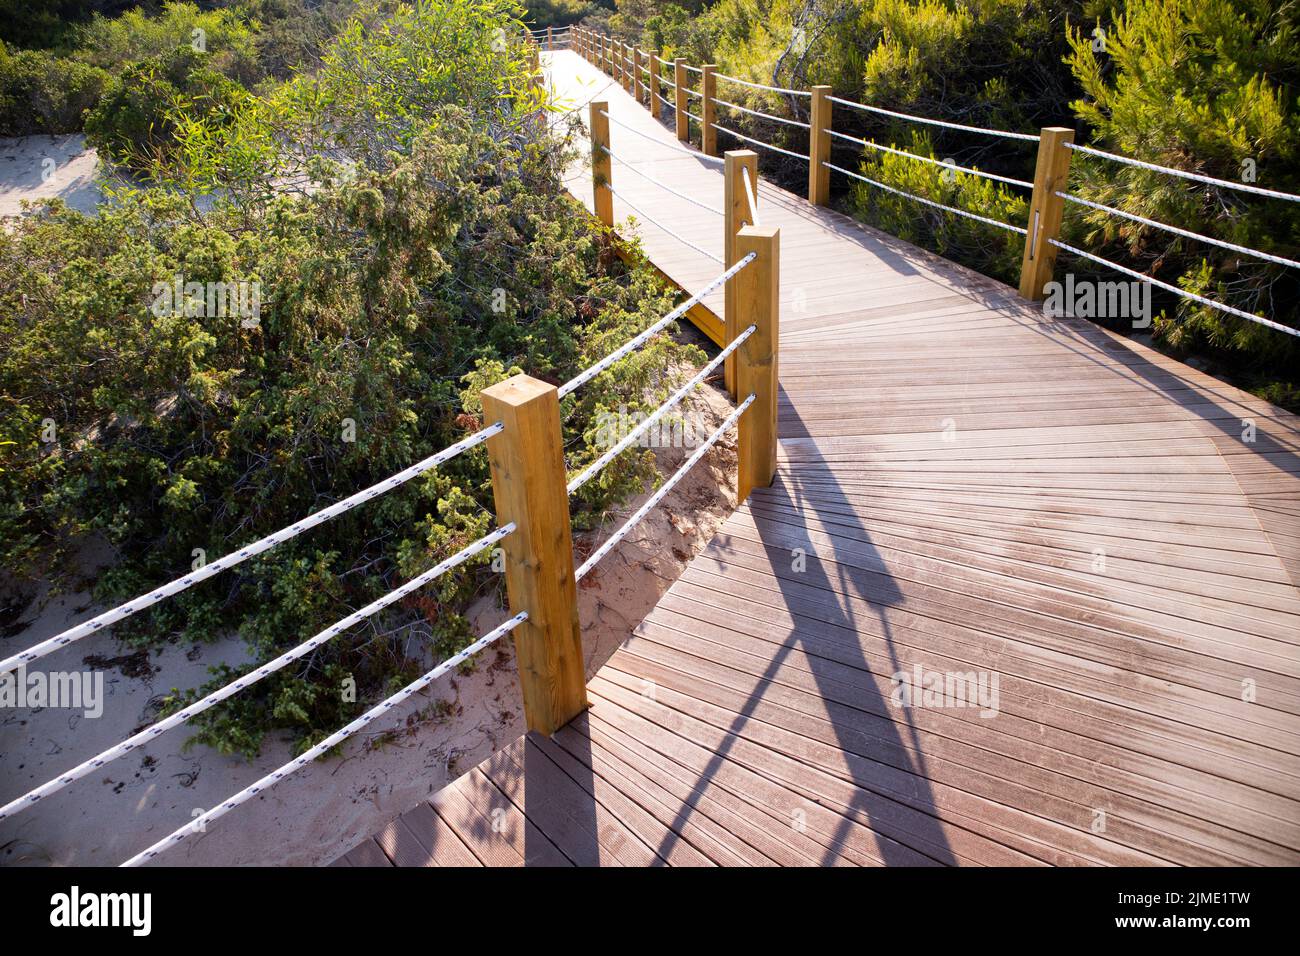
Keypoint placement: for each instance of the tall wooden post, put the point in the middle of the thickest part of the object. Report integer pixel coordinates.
(819, 147)
(550, 39)
(638, 85)
(709, 110)
(601, 197)
(605, 66)
(1046, 209)
(528, 485)
(757, 303)
(736, 213)
(679, 99)
(656, 88)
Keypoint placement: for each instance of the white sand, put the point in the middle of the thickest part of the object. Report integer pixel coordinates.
(41, 167)
(327, 808)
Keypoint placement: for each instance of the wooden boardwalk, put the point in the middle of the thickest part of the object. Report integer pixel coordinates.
(964, 486)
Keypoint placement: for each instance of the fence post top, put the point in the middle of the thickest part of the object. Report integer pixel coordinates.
(519, 390)
(740, 154)
(759, 232)
(1056, 131)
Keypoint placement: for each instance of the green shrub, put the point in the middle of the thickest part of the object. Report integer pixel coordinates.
(44, 93)
(134, 123)
(391, 295)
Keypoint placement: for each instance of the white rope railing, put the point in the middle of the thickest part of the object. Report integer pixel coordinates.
(631, 437)
(658, 142)
(930, 202)
(759, 113)
(750, 194)
(151, 599)
(761, 86)
(248, 680)
(859, 141)
(693, 69)
(1184, 174)
(1222, 307)
(759, 142)
(934, 122)
(662, 491)
(1268, 257)
(633, 344)
(664, 186)
(199, 824)
(659, 225)
(695, 93)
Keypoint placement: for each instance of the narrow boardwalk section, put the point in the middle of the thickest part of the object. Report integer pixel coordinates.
(965, 487)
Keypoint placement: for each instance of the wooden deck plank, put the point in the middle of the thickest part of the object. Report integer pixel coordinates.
(964, 485)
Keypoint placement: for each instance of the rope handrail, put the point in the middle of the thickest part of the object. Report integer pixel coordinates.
(663, 490)
(750, 194)
(1212, 303)
(150, 599)
(667, 102)
(664, 186)
(759, 142)
(930, 202)
(1184, 174)
(655, 222)
(695, 93)
(248, 680)
(658, 142)
(927, 159)
(769, 116)
(1268, 257)
(698, 119)
(582, 378)
(934, 122)
(693, 69)
(675, 399)
(761, 86)
(199, 823)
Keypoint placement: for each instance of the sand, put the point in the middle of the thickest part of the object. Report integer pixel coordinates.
(42, 167)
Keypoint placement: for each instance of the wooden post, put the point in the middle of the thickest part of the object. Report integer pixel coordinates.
(601, 197)
(652, 101)
(819, 147)
(757, 298)
(709, 111)
(550, 39)
(604, 55)
(679, 99)
(638, 86)
(629, 69)
(736, 213)
(1045, 210)
(528, 485)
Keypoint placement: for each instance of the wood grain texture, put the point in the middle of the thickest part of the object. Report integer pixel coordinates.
(964, 485)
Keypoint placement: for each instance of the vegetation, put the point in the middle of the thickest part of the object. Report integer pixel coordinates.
(403, 217)
(1208, 86)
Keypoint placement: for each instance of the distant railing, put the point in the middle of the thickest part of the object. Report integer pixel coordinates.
(531, 490)
(1049, 189)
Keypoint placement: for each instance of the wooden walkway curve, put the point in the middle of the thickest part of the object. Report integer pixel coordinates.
(964, 485)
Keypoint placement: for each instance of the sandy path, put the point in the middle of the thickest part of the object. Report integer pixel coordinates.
(330, 806)
(41, 167)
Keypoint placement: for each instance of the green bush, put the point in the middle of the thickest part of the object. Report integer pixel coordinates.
(44, 93)
(390, 296)
(134, 123)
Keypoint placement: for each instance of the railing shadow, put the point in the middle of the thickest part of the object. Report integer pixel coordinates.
(837, 584)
